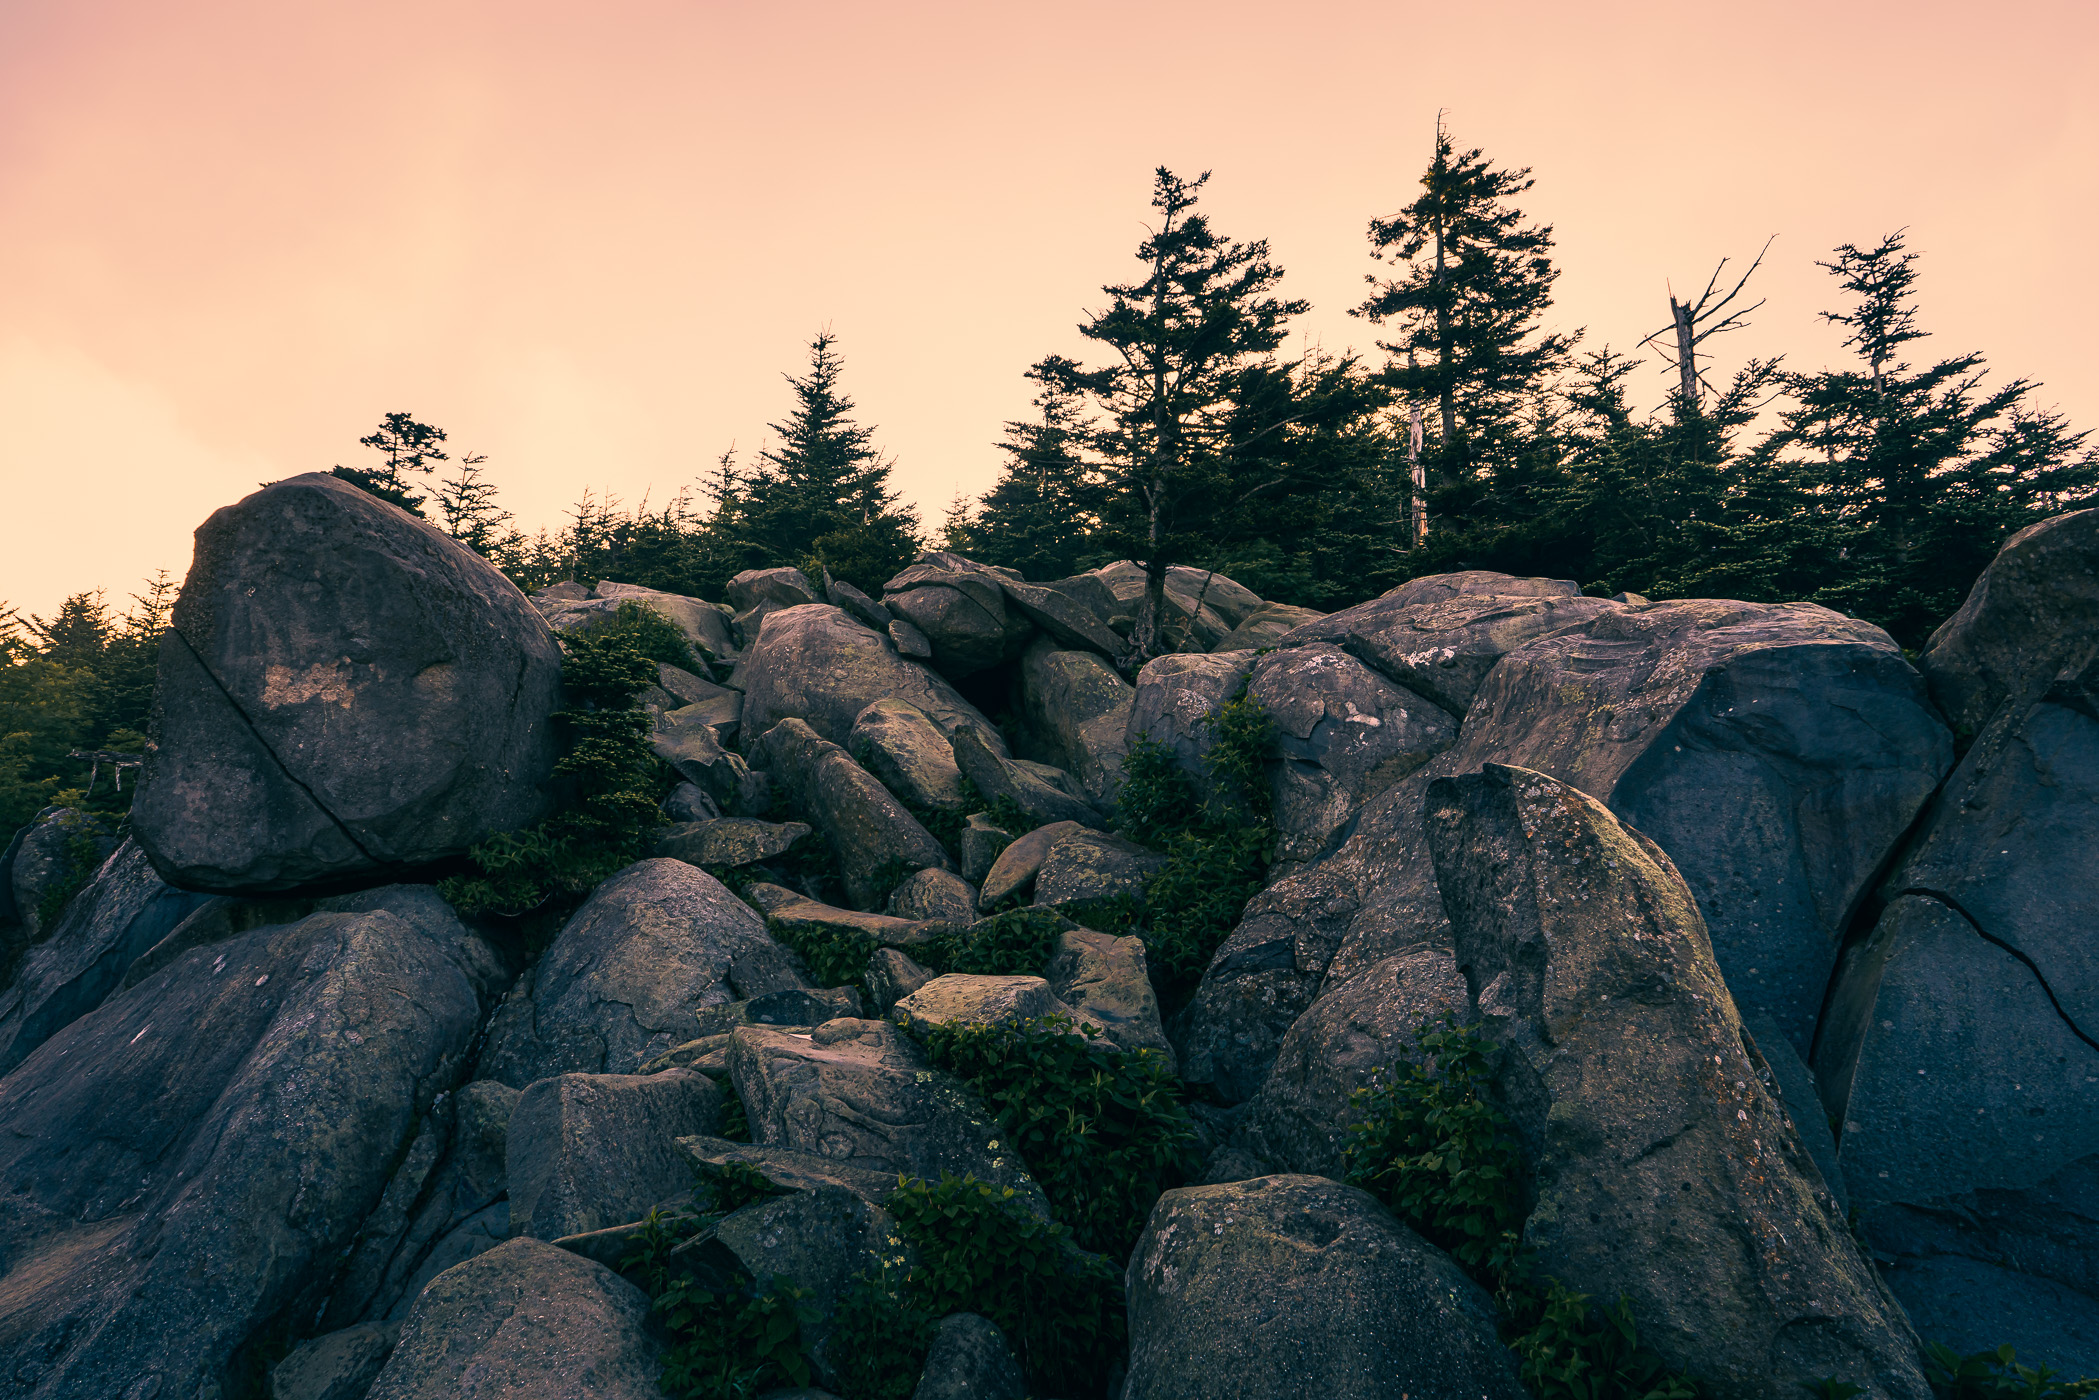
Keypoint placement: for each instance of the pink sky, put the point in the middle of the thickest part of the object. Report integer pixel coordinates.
(586, 240)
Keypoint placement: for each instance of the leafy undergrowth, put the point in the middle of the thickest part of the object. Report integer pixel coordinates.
(1016, 943)
(1994, 1375)
(1102, 1130)
(725, 1345)
(654, 636)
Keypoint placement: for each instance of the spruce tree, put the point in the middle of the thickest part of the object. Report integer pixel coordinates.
(466, 504)
(411, 449)
(1035, 518)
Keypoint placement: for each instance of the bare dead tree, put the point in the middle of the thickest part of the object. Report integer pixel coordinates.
(1690, 323)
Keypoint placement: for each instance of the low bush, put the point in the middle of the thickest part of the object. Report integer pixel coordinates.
(880, 1338)
(726, 1345)
(1996, 1375)
(654, 636)
(86, 832)
(835, 957)
(1102, 1130)
(1016, 943)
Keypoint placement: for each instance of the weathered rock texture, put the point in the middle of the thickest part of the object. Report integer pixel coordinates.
(1082, 709)
(345, 694)
(870, 830)
(1663, 1169)
(587, 1151)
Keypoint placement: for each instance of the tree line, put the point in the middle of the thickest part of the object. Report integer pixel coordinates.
(1477, 437)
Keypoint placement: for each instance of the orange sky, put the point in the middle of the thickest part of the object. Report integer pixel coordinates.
(586, 240)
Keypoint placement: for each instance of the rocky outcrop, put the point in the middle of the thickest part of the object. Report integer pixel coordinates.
(756, 594)
(1081, 708)
(1295, 1285)
(729, 841)
(622, 983)
(1265, 626)
(525, 1321)
(1662, 1167)
(996, 776)
(1202, 607)
(586, 1151)
(55, 850)
(967, 999)
(939, 896)
(1176, 696)
(345, 695)
(819, 1239)
(899, 745)
(191, 1159)
(1086, 866)
(816, 664)
(1106, 981)
(960, 608)
(869, 829)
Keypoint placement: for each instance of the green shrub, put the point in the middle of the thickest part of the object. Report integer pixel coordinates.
(1007, 816)
(1157, 800)
(82, 855)
(726, 1345)
(1016, 943)
(1568, 1350)
(734, 1185)
(654, 636)
(835, 957)
(736, 1120)
(979, 1249)
(1996, 1375)
(1102, 1130)
(615, 780)
(879, 1340)
(1193, 904)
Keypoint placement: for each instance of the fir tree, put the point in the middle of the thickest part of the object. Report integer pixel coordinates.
(466, 503)
(410, 448)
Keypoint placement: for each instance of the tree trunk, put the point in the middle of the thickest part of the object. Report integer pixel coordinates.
(1447, 388)
(1686, 356)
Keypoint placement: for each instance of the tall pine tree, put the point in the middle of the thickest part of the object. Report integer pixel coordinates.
(1038, 515)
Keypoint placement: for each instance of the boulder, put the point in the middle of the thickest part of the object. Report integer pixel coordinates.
(651, 947)
(908, 752)
(1345, 735)
(1201, 608)
(1662, 1167)
(705, 625)
(969, 1360)
(910, 643)
(981, 843)
(688, 689)
(196, 1155)
(566, 591)
(939, 896)
(1265, 626)
(586, 1151)
(344, 695)
(121, 914)
(687, 740)
(960, 998)
(1084, 867)
(689, 802)
(1361, 1029)
(859, 1093)
(1105, 980)
(787, 1169)
(959, 607)
(728, 841)
(525, 1321)
(996, 776)
(892, 976)
(816, 664)
(1295, 1285)
(791, 914)
(1081, 710)
(756, 594)
(818, 1239)
(1020, 860)
(1073, 612)
(1175, 698)
(839, 593)
(61, 847)
(870, 830)
(339, 1365)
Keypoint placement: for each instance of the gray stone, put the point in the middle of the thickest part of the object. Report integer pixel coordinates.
(910, 643)
(1020, 860)
(651, 947)
(1081, 708)
(525, 1321)
(859, 1093)
(982, 842)
(788, 1169)
(841, 594)
(687, 740)
(344, 695)
(892, 976)
(1299, 1121)
(587, 1151)
(336, 1366)
(1345, 735)
(1792, 1083)
(869, 829)
(1176, 695)
(1084, 866)
(960, 998)
(818, 1240)
(959, 607)
(704, 624)
(1051, 774)
(688, 689)
(44, 860)
(1295, 1285)
(200, 1150)
(1105, 980)
(689, 802)
(996, 776)
(1439, 588)
(1662, 1167)
(728, 841)
(790, 913)
(969, 1360)
(1073, 612)
(121, 914)
(899, 745)
(1189, 624)
(814, 663)
(1265, 626)
(566, 591)
(756, 594)
(935, 895)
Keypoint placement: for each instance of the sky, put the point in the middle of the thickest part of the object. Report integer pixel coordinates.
(587, 241)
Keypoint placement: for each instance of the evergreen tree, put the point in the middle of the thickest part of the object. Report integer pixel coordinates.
(822, 497)
(1473, 281)
(410, 449)
(1181, 336)
(1036, 518)
(466, 503)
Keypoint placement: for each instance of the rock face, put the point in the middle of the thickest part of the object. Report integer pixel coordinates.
(345, 694)
(960, 608)
(814, 663)
(1020, 860)
(969, 1360)
(1175, 696)
(870, 829)
(1295, 1285)
(41, 859)
(1084, 866)
(652, 946)
(728, 841)
(899, 745)
(1106, 981)
(1663, 1169)
(1960, 1052)
(525, 1321)
(817, 1239)
(1082, 708)
(588, 1151)
(962, 998)
(1265, 626)
(996, 776)
(193, 1157)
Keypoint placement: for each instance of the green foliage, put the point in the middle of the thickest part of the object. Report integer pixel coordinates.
(979, 1249)
(1016, 943)
(1102, 1130)
(654, 636)
(409, 449)
(86, 839)
(1193, 904)
(736, 1120)
(865, 554)
(1007, 816)
(1996, 1375)
(879, 1339)
(1568, 1350)
(835, 957)
(616, 782)
(726, 1345)
(1426, 1141)
(734, 1185)
(1157, 801)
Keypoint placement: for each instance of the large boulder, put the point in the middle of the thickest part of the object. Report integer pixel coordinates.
(124, 911)
(1081, 710)
(190, 1162)
(704, 624)
(1107, 982)
(344, 695)
(960, 607)
(965, 999)
(55, 852)
(1176, 695)
(1960, 1050)
(996, 776)
(899, 745)
(1662, 1167)
(525, 1321)
(1295, 1285)
(728, 841)
(755, 594)
(651, 947)
(1084, 867)
(969, 1360)
(814, 663)
(590, 1150)
(1202, 607)
(1345, 735)
(687, 739)
(1265, 626)
(871, 831)
(818, 1239)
